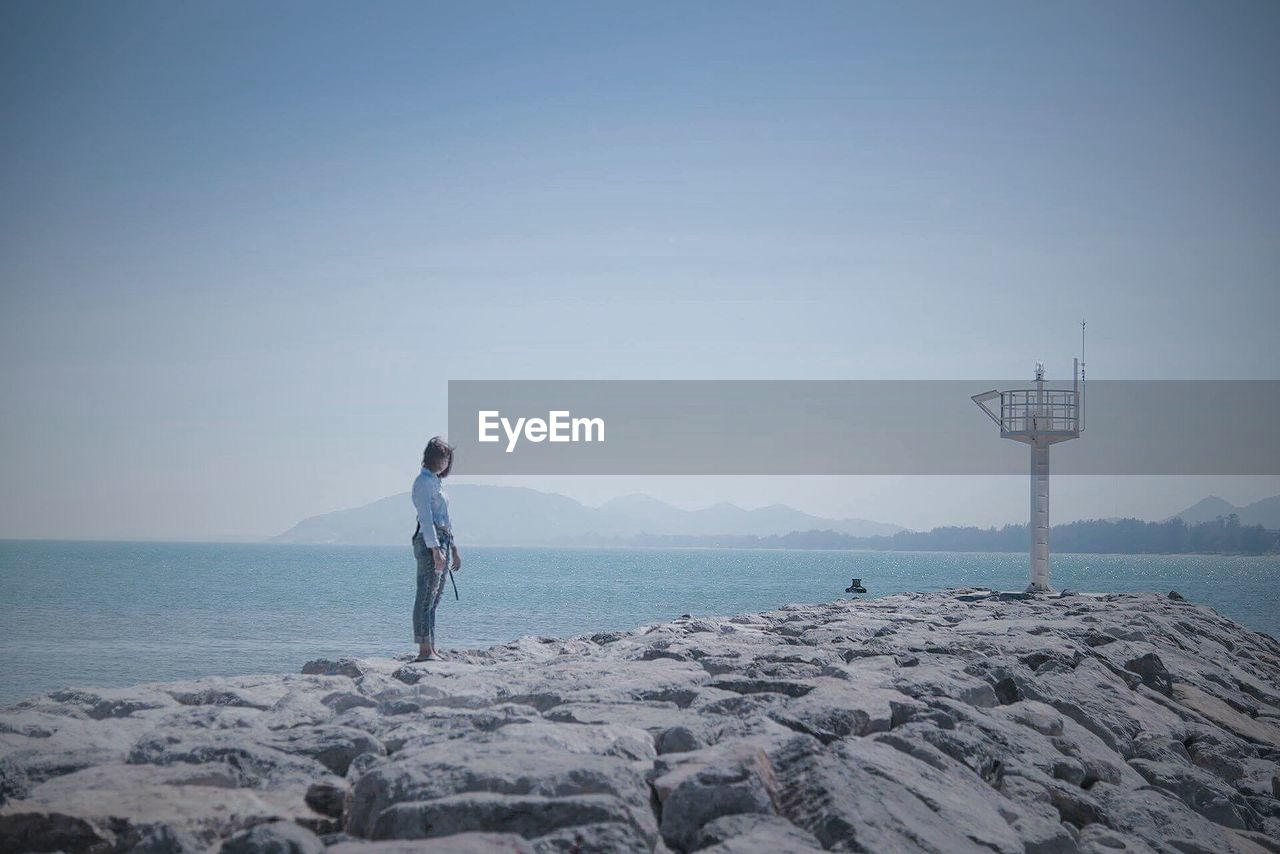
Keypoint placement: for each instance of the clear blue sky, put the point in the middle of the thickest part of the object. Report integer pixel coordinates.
(243, 246)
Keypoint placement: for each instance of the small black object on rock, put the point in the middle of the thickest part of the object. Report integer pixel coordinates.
(855, 586)
(1176, 596)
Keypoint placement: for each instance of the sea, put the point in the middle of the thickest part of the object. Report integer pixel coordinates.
(109, 614)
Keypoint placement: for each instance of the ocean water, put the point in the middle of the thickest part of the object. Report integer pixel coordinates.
(112, 614)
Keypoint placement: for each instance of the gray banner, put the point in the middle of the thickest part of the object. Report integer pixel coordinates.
(717, 427)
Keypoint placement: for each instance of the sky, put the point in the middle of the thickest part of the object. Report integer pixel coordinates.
(244, 247)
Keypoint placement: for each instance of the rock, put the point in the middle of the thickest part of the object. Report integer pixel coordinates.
(864, 795)
(349, 667)
(1153, 672)
(754, 833)
(1099, 839)
(157, 839)
(750, 685)
(526, 815)
(47, 831)
(362, 764)
(1046, 722)
(14, 784)
(218, 696)
(921, 722)
(1221, 713)
(497, 766)
(677, 739)
(277, 837)
(253, 763)
(1042, 834)
(936, 680)
(342, 701)
(112, 703)
(838, 708)
(1156, 817)
(332, 746)
(458, 843)
(296, 709)
(736, 781)
(1200, 790)
(608, 836)
(327, 798)
(183, 807)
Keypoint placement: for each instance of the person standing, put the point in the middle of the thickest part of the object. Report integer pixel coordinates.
(433, 545)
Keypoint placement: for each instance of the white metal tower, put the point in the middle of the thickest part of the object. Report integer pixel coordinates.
(1040, 417)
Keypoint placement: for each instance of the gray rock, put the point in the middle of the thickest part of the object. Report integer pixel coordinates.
(921, 722)
(156, 839)
(327, 798)
(1159, 819)
(342, 701)
(754, 833)
(112, 703)
(1200, 790)
(608, 836)
(677, 739)
(526, 815)
(696, 794)
(180, 807)
(277, 837)
(836, 708)
(332, 746)
(459, 843)
(1098, 839)
(47, 831)
(864, 795)
(349, 667)
(1152, 671)
(254, 763)
(501, 767)
(14, 784)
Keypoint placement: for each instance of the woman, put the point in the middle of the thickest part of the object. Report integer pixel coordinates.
(433, 555)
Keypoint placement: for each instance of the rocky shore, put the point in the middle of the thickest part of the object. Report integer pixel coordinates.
(959, 721)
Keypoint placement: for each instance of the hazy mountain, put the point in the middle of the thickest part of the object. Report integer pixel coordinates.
(510, 515)
(1265, 512)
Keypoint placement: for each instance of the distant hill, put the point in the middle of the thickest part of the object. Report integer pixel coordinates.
(1090, 536)
(511, 515)
(1265, 512)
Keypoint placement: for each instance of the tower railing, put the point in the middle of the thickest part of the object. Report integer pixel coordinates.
(1033, 410)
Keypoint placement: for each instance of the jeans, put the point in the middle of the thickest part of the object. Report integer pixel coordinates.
(430, 587)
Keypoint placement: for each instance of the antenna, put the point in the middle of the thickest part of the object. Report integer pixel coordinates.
(1040, 417)
(1082, 325)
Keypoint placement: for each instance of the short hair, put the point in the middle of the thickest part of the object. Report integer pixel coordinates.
(438, 449)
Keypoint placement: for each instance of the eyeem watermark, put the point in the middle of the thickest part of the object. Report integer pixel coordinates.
(558, 426)
(850, 427)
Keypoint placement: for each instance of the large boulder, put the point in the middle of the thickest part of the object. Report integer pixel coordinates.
(505, 767)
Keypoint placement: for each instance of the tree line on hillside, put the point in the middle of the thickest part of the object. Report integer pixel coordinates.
(1225, 535)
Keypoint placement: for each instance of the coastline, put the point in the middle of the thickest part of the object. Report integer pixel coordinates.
(263, 609)
(950, 721)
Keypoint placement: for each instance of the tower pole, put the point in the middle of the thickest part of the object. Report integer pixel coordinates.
(1039, 515)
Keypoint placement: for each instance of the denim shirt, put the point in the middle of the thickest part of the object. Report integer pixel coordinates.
(431, 504)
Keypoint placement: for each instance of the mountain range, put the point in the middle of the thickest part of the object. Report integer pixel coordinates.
(1265, 512)
(512, 515)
